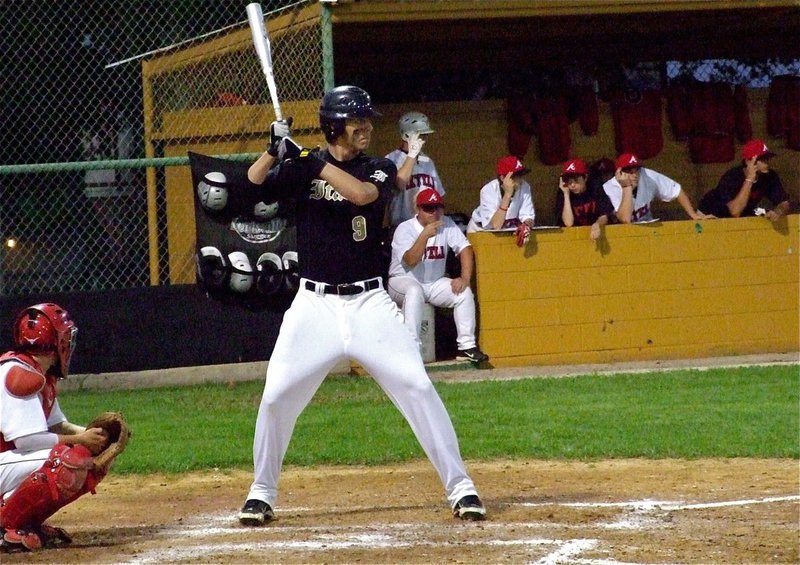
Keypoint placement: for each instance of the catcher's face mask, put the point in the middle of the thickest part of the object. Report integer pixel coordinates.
(47, 328)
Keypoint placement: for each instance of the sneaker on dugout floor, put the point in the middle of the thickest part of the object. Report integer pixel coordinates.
(472, 354)
(469, 507)
(255, 513)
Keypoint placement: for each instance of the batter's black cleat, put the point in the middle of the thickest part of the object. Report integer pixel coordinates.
(469, 507)
(472, 354)
(255, 513)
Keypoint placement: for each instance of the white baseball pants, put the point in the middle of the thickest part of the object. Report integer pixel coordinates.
(411, 295)
(319, 331)
(16, 466)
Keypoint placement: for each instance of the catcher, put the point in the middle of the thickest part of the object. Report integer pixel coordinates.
(46, 462)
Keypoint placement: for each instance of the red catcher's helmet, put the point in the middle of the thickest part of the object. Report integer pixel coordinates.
(46, 328)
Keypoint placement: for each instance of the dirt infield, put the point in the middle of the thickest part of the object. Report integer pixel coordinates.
(550, 512)
(547, 512)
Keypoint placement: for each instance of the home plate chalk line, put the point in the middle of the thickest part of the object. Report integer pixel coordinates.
(380, 536)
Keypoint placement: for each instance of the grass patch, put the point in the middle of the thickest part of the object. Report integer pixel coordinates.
(737, 412)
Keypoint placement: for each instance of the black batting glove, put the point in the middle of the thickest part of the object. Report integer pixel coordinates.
(290, 151)
(278, 130)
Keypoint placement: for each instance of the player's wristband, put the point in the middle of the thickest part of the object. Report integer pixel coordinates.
(503, 209)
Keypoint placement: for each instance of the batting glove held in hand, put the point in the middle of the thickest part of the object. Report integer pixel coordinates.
(289, 150)
(523, 234)
(415, 143)
(277, 131)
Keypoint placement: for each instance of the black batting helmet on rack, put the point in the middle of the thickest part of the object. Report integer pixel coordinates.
(340, 104)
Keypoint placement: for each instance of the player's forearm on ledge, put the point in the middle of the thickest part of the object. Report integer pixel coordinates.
(783, 208)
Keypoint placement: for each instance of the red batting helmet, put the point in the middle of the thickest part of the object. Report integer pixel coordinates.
(46, 328)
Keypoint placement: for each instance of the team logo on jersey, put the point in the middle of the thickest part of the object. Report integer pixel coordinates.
(379, 176)
(321, 190)
(641, 212)
(420, 180)
(435, 252)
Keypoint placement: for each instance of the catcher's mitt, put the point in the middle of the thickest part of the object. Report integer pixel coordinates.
(523, 234)
(118, 433)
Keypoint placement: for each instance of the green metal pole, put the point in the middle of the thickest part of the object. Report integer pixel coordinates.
(327, 47)
(113, 164)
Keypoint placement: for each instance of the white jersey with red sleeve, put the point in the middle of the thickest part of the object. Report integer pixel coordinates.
(432, 266)
(651, 185)
(24, 414)
(423, 175)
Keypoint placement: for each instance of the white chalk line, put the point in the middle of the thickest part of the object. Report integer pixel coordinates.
(384, 536)
(668, 505)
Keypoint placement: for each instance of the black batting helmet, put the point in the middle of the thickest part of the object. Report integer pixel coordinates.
(341, 103)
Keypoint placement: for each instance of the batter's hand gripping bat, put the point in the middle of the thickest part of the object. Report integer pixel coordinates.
(261, 41)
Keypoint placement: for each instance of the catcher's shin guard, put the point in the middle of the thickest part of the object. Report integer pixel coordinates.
(66, 475)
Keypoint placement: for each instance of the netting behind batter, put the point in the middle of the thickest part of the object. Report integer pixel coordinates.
(96, 81)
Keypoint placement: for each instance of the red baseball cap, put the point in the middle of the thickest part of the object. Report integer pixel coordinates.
(510, 164)
(756, 148)
(628, 160)
(429, 197)
(575, 167)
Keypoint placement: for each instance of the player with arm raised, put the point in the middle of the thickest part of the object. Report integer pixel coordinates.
(416, 171)
(341, 310)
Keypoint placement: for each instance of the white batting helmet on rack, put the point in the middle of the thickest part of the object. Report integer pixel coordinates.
(241, 272)
(414, 121)
(212, 192)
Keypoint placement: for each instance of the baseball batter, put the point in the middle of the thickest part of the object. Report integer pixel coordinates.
(634, 188)
(415, 170)
(45, 461)
(417, 271)
(341, 310)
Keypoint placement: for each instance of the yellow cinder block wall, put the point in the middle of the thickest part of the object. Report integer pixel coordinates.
(680, 289)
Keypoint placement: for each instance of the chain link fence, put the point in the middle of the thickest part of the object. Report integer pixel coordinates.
(95, 81)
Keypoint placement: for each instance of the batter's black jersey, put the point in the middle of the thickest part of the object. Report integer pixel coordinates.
(337, 241)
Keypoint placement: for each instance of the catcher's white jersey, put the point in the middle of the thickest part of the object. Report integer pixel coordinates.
(19, 417)
(423, 175)
(651, 184)
(432, 266)
(520, 208)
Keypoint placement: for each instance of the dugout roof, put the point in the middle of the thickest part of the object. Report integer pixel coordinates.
(438, 35)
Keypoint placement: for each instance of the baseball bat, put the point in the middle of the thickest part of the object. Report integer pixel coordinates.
(261, 41)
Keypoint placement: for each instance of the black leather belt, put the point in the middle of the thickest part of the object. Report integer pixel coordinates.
(347, 289)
